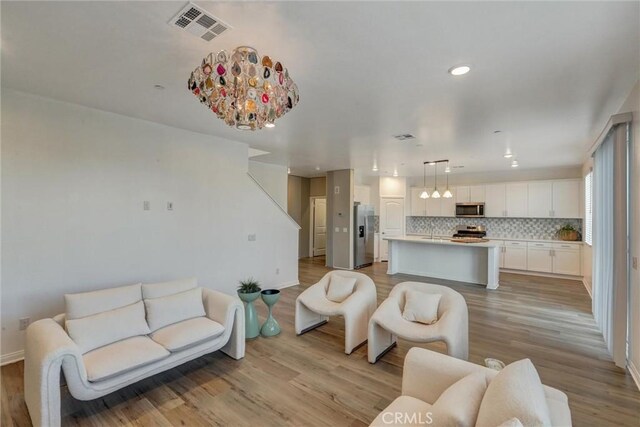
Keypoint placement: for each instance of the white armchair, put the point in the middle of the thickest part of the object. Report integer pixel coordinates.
(313, 308)
(452, 326)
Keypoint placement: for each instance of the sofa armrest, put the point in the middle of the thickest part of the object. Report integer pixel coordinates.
(227, 310)
(427, 374)
(47, 347)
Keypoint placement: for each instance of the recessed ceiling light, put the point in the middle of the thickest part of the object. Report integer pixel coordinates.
(508, 155)
(288, 170)
(395, 173)
(514, 164)
(459, 70)
(375, 168)
(159, 87)
(317, 168)
(269, 125)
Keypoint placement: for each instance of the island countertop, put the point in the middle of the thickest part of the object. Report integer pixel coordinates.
(440, 258)
(442, 241)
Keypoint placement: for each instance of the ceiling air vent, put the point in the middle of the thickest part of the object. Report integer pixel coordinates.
(199, 22)
(404, 137)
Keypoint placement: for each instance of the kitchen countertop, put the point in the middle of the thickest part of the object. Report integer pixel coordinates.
(445, 240)
(516, 239)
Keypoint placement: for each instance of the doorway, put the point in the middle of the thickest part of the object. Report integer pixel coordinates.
(391, 222)
(318, 238)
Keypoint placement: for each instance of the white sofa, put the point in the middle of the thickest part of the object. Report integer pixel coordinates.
(428, 376)
(114, 347)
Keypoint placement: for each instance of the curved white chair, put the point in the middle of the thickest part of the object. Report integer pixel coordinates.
(313, 308)
(452, 327)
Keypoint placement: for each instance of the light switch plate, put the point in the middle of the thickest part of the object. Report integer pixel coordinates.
(169, 206)
(146, 205)
(252, 237)
(337, 229)
(344, 230)
(336, 190)
(635, 262)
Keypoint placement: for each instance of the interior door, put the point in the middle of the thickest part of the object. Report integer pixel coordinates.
(391, 222)
(319, 227)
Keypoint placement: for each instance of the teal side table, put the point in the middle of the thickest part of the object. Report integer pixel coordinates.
(270, 327)
(251, 325)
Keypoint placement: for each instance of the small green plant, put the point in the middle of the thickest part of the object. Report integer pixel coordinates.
(249, 286)
(568, 227)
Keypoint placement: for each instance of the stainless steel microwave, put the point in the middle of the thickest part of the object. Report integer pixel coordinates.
(470, 210)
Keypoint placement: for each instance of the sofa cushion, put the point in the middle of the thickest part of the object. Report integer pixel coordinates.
(421, 307)
(187, 333)
(174, 308)
(515, 392)
(163, 289)
(340, 288)
(108, 327)
(559, 411)
(89, 303)
(404, 411)
(458, 405)
(122, 356)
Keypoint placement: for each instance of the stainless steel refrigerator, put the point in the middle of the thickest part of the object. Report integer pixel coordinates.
(363, 238)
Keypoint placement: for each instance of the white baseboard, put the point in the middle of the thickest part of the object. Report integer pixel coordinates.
(587, 287)
(541, 274)
(635, 373)
(8, 358)
(288, 284)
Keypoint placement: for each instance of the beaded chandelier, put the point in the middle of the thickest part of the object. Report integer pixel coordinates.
(243, 89)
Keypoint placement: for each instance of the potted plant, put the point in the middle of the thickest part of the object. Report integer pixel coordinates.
(568, 232)
(248, 292)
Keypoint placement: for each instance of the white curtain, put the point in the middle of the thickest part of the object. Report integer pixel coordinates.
(610, 252)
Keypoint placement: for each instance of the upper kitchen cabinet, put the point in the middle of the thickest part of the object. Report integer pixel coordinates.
(540, 199)
(448, 206)
(418, 205)
(462, 195)
(362, 194)
(516, 199)
(495, 200)
(566, 199)
(477, 193)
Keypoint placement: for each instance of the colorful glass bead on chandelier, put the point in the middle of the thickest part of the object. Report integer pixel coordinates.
(252, 95)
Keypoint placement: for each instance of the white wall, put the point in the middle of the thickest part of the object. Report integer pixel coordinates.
(73, 184)
(273, 178)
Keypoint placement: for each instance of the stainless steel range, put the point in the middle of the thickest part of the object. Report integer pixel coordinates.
(471, 231)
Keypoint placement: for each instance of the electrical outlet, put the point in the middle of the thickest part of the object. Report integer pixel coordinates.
(252, 237)
(146, 205)
(24, 322)
(169, 206)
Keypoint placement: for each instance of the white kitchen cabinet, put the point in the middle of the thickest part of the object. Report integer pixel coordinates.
(418, 205)
(567, 259)
(566, 199)
(515, 255)
(362, 194)
(477, 193)
(540, 199)
(434, 206)
(539, 257)
(448, 206)
(462, 195)
(516, 199)
(501, 257)
(495, 200)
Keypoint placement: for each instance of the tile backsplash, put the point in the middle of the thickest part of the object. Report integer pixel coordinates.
(515, 228)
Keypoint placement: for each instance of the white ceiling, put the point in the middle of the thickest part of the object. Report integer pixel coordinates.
(547, 74)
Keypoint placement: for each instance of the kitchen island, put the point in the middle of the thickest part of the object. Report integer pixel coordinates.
(441, 258)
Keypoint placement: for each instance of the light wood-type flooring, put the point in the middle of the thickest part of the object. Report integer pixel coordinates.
(309, 381)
